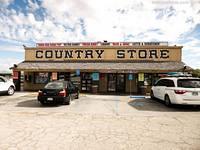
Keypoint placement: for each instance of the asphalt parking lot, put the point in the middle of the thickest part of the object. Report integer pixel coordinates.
(97, 122)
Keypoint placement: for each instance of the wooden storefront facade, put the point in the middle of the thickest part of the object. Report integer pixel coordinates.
(100, 67)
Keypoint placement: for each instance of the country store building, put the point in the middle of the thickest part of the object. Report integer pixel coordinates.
(103, 67)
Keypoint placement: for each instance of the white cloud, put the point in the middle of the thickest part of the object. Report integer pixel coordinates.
(6, 63)
(16, 48)
(192, 60)
(5, 3)
(33, 6)
(112, 20)
(13, 45)
(191, 52)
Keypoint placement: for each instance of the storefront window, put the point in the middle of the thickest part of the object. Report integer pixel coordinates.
(41, 78)
(64, 76)
(76, 79)
(86, 82)
(148, 79)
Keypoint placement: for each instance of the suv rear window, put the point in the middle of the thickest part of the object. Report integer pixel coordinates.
(189, 83)
(54, 85)
(165, 82)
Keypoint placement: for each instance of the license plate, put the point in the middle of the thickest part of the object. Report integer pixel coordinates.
(50, 99)
(195, 93)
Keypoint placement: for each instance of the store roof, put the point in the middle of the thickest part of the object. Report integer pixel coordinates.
(102, 66)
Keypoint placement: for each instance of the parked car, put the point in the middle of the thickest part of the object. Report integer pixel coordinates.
(177, 90)
(58, 92)
(6, 86)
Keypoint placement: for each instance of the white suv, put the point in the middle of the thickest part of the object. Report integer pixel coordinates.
(177, 90)
(6, 86)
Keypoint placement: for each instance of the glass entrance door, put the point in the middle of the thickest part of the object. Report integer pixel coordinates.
(120, 84)
(116, 83)
(111, 82)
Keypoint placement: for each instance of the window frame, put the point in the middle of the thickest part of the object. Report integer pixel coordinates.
(2, 80)
(164, 82)
(44, 82)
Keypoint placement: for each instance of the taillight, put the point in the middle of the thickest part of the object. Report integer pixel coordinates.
(180, 91)
(40, 93)
(62, 93)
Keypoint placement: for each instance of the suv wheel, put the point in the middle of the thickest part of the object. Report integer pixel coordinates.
(167, 101)
(152, 95)
(11, 90)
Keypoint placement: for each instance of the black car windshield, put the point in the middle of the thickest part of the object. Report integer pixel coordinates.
(54, 85)
(189, 83)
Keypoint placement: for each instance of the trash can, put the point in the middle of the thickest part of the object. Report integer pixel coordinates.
(143, 90)
(94, 89)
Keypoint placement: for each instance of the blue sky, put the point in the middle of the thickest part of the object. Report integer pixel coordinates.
(26, 22)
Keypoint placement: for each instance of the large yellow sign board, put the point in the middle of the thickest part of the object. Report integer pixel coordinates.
(62, 54)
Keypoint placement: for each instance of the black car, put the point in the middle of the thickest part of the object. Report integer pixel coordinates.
(58, 92)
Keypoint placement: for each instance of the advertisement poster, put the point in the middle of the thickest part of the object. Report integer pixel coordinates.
(141, 77)
(95, 76)
(130, 77)
(54, 75)
(15, 74)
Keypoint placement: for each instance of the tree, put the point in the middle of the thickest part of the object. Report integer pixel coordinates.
(196, 73)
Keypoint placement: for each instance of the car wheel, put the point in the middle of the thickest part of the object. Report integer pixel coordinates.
(167, 101)
(11, 90)
(67, 100)
(42, 102)
(152, 95)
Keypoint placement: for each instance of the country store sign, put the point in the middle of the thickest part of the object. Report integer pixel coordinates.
(110, 54)
(102, 54)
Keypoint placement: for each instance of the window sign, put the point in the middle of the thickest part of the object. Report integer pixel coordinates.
(141, 77)
(54, 75)
(78, 72)
(95, 76)
(15, 74)
(130, 77)
(41, 78)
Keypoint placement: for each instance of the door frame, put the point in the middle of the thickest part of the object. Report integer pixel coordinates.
(116, 86)
(124, 84)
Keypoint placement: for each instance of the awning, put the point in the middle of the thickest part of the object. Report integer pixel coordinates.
(102, 66)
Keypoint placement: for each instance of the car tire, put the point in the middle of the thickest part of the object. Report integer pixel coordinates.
(167, 101)
(67, 100)
(42, 103)
(11, 90)
(152, 95)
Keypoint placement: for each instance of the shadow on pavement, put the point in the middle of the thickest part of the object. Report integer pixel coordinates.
(34, 103)
(156, 105)
(3, 94)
